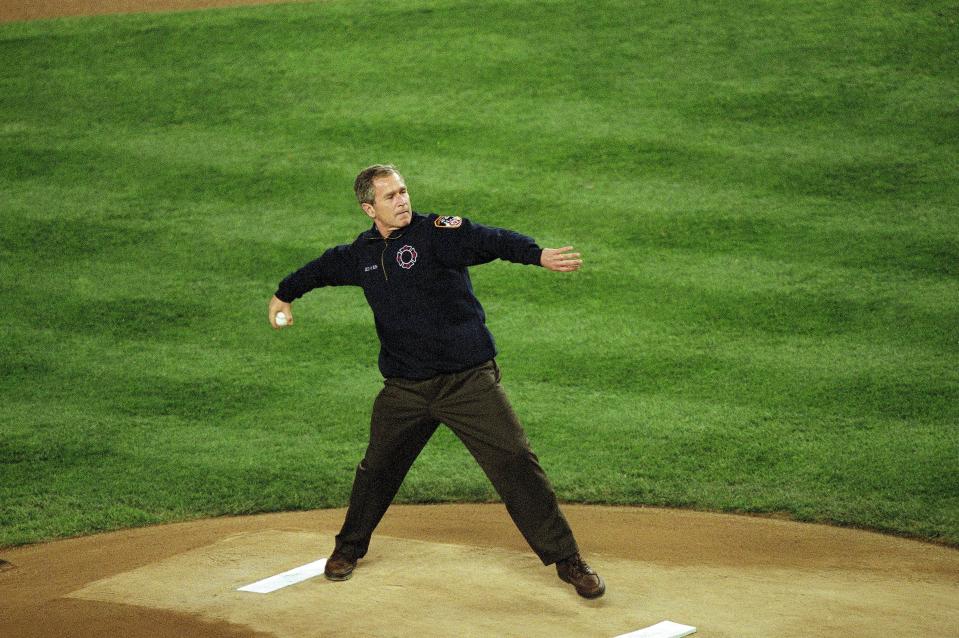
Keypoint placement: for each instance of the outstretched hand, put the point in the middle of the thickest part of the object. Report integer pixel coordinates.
(560, 259)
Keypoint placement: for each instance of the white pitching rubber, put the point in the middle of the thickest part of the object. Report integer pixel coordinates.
(665, 629)
(291, 577)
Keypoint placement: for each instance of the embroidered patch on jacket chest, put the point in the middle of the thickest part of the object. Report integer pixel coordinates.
(448, 222)
(406, 257)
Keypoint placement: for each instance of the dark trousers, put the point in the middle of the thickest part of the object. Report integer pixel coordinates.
(474, 406)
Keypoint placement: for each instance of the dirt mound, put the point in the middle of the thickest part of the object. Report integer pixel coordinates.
(464, 570)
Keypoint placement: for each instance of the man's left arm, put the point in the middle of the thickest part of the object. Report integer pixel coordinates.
(461, 242)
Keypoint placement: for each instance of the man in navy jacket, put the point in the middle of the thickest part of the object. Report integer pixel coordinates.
(437, 358)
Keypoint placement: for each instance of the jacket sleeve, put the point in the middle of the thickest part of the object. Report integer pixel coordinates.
(471, 244)
(335, 267)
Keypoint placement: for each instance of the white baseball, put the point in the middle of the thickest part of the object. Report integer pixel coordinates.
(281, 319)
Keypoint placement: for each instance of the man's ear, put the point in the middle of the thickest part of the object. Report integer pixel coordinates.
(369, 210)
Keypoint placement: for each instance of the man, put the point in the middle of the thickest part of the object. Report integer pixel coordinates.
(437, 359)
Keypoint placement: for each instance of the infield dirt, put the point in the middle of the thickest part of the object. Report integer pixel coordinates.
(463, 570)
(17, 10)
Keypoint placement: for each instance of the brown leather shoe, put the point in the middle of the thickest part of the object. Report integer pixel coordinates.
(577, 573)
(339, 566)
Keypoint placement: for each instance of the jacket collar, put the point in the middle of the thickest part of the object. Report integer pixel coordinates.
(373, 234)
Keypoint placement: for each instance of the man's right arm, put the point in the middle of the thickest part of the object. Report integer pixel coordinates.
(334, 268)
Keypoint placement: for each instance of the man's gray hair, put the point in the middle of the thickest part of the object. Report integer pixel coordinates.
(363, 186)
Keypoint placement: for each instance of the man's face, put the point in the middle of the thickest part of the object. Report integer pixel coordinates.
(391, 208)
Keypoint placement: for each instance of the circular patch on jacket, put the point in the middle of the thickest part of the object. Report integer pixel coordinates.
(406, 257)
(448, 222)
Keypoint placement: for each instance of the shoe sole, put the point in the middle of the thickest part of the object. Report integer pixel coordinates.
(339, 577)
(589, 595)
(599, 592)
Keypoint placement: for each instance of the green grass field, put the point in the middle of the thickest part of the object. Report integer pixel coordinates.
(765, 194)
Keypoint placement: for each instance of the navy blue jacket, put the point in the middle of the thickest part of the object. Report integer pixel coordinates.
(428, 320)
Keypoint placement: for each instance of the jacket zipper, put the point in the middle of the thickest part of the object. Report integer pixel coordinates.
(386, 244)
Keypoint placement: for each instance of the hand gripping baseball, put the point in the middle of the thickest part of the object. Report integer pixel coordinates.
(560, 259)
(277, 306)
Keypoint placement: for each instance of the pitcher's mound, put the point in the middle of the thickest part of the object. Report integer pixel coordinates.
(463, 570)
